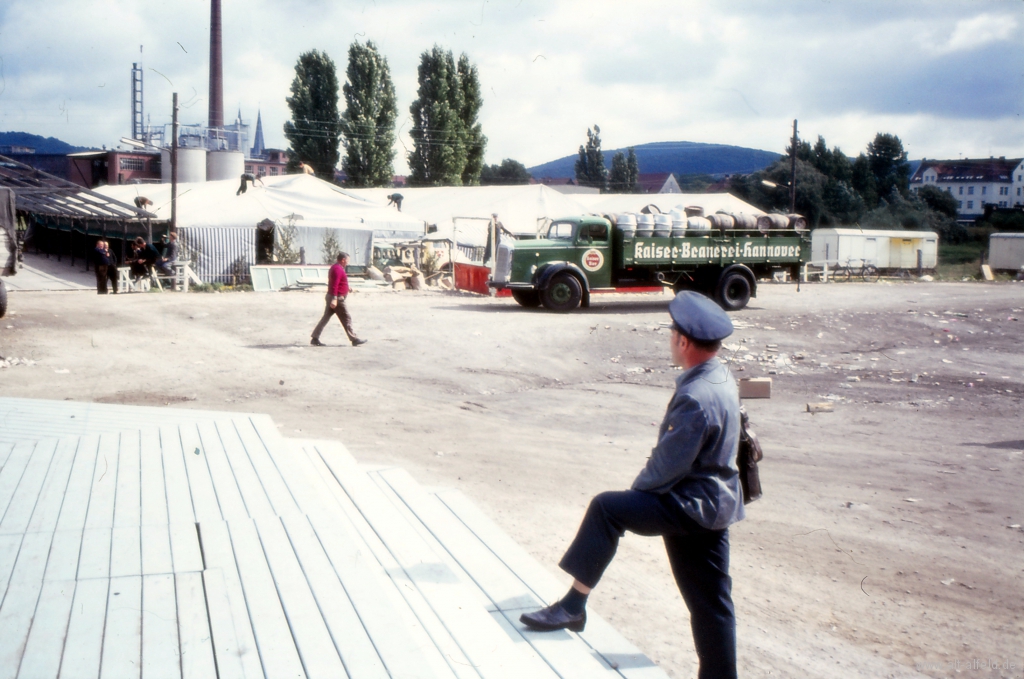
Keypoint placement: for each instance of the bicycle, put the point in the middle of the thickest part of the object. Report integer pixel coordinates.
(867, 272)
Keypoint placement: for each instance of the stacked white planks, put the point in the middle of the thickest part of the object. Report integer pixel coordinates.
(161, 542)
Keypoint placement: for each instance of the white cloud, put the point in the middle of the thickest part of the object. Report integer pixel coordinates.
(975, 32)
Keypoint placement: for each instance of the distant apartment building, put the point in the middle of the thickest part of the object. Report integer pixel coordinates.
(271, 163)
(975, 183)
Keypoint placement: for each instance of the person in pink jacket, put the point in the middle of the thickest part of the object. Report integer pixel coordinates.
(337, 291)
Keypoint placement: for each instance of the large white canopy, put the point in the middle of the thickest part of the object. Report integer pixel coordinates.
(610, 203)
(320, 204)
(520, 209)
(218, 227)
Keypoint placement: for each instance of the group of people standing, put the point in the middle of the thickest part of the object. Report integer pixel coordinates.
(143, 258)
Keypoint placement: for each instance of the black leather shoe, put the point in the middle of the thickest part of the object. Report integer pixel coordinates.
(316, 342)
(357, 342)
(554, 617)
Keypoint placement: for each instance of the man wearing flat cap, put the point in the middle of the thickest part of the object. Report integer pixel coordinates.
(689, 493)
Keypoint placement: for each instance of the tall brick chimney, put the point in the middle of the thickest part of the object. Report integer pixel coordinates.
(216, 68)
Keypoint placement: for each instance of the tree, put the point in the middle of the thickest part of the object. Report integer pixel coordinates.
(590, 168)
(475, 141)
(508, 173)
(315, 128)
(625, 173)
(448, 142)
(863, 181)
(368, 124)
(888, 163)
(938, 200)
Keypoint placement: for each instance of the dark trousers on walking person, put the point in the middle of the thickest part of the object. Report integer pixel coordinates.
(104, 273)
(342, 313)
(699, 558)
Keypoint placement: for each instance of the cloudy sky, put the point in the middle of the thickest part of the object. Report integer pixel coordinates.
(946, 76)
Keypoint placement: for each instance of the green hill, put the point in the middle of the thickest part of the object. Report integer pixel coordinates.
(40, 144)
(677, 157)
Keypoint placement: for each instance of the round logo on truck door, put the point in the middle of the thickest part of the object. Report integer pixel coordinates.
(593, 260)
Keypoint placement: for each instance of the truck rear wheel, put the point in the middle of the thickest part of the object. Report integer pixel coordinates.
(563, 293)
(527, 298)
(733, 291)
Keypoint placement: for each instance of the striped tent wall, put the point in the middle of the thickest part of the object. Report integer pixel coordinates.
(219, 255)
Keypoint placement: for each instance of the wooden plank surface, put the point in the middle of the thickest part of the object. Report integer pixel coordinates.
(234, 645)
(500, 585)
(278, 493)
(270, 625)
(346, 630)
(605, 641)
(234, 642)
(128, 495)
(194, 638)
(62, 564)
(204, 497)
(186, 554)
(49, 628)
(179, 497)
(229, 495)
(104, 483)
(84, 643)
(19, 600)
(122, 635)
(151, 479)
(320, 657)
(428, 632)
(94, 556)
(125, 551)
(488, 648)
(23, 501)
(75, 504)
(55, 486)
(10, 475)
(161, 657)
(254, 496)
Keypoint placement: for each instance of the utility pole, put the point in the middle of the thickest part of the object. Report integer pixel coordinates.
(792, 176)
(174, 165)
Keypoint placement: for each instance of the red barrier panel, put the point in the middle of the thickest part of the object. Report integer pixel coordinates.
(472, 278)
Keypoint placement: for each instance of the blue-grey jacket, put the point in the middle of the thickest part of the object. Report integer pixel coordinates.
(695, 459)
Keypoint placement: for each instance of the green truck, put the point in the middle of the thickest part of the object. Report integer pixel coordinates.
(579, 256)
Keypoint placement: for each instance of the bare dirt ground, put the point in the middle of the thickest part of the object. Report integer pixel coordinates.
(888, 542)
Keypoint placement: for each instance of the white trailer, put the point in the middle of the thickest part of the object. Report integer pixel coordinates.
(1006, 251)
(885, 249)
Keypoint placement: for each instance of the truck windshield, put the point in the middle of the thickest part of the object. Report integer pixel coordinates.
(560, 231)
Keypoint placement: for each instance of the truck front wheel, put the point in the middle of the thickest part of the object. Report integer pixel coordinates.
(733, 291)
(527, 298)
(563, 293)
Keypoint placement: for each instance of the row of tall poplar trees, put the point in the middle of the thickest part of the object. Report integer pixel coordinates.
(448, 140)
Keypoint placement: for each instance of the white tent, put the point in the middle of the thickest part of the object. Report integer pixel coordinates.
(611, 203)
(521, 209)
(219, 227)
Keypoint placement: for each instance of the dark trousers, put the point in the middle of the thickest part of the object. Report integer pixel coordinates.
(699, 559)
(342, 313)
(105, 272)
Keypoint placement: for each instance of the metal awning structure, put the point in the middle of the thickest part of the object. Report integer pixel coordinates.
(42, 193)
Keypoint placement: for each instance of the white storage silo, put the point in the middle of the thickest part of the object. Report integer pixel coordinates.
(191, 165)
(224, 165)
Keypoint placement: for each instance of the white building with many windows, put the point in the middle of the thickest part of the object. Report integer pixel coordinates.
(975, 183)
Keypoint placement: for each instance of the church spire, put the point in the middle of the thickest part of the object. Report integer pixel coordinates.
(258, 149)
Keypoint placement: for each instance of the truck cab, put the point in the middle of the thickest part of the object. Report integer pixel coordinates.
(560, 269)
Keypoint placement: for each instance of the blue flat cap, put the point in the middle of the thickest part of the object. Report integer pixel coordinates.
(698, 317)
